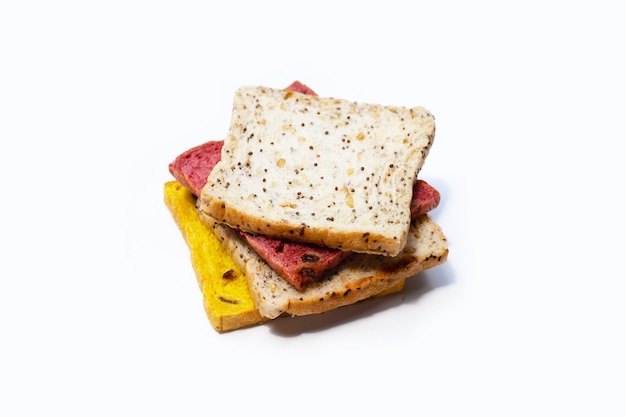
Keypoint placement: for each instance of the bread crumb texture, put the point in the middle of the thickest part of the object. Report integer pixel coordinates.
(320, 170)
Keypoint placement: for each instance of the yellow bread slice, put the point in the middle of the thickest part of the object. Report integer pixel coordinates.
(227, 300)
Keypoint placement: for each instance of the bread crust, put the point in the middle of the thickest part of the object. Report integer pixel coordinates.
(353, 240)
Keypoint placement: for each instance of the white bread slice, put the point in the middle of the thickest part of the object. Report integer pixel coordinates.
(319, 170)
(357, 278)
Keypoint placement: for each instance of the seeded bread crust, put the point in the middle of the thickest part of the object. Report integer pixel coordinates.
(359, 277)
(319, 170)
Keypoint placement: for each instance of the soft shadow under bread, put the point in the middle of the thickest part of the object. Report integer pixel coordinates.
(414, 289)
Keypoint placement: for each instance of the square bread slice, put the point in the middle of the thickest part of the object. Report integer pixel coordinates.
(320, 170)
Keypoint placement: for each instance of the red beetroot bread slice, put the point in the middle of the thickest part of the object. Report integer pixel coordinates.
(192, 167)
(298, 87)
(298, 263)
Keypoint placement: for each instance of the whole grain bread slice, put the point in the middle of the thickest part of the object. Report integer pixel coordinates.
(357, 278)
(319, 170)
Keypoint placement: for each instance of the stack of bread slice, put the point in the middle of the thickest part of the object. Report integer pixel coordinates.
(316, 171)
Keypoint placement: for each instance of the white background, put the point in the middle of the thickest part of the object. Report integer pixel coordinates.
(100, 313)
